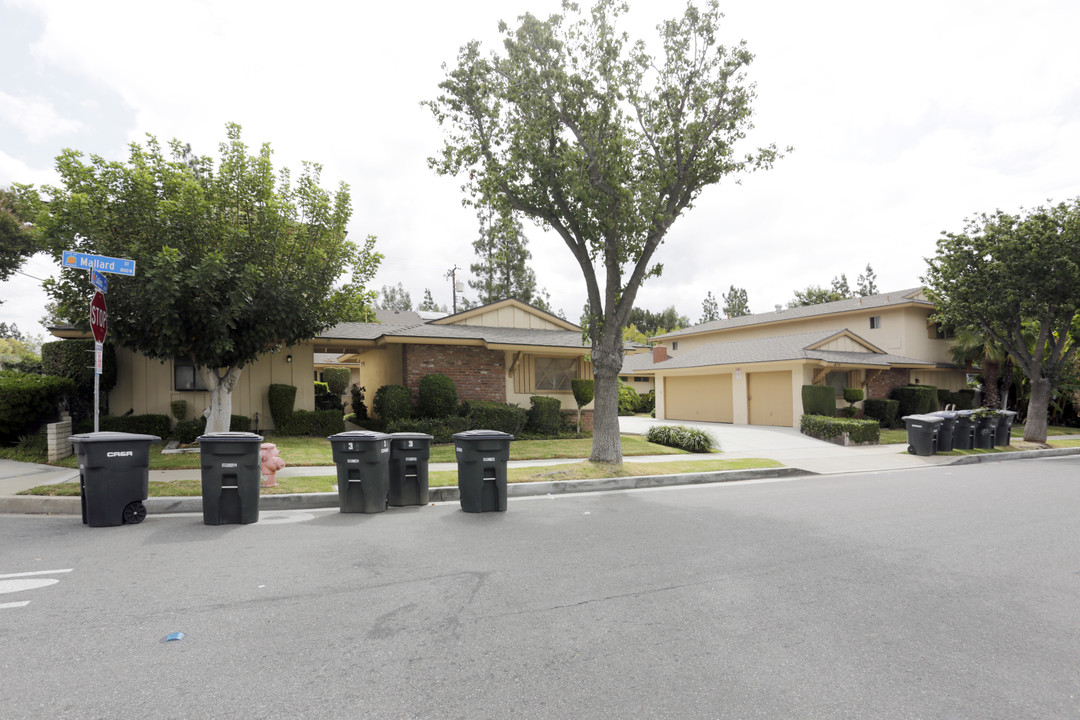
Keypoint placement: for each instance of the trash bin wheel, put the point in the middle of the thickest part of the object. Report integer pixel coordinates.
(134, 513)
(911, 449)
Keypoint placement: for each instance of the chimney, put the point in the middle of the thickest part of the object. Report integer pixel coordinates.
(778, 307)
(659, 353)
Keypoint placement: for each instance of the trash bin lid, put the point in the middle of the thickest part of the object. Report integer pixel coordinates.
(483, 435)
(110, 436)
(1008, 413)
(924, 418)
(358, 436)
(965, 413)
(411, 436)
(947, 414)
(232, 435)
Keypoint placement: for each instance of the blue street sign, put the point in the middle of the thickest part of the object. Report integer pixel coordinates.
(82, 261)
(100, 281)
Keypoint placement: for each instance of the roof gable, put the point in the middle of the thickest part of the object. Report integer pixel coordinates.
(508, 313)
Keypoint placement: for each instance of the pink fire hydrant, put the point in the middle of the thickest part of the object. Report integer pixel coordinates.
(271, 463)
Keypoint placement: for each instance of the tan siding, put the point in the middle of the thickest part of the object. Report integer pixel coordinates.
(703, 398)
(770, 398)
(511, 317)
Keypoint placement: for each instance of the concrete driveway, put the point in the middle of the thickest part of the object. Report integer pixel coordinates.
(734, 438)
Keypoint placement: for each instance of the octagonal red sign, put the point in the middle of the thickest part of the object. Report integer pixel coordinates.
(98, 317)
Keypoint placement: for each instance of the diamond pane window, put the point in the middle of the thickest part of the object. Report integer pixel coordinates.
(555, 374)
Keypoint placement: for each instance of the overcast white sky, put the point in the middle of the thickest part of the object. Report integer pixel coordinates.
(906, 119)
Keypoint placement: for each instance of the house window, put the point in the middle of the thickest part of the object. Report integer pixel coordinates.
(641, 379)
(675, 345)
(185, 377)
(555, 374)
(838, 381)
(942, 332)
(875, 322)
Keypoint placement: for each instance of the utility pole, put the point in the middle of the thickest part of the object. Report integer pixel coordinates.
(452, 274)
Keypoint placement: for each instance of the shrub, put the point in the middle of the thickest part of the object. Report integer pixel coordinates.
(965, 399)
(73, 359)
(358, 407)
(188, 431)
(545, 415)
(142, 424)
(178, 408)
(441, 429)
(337, 379)
(325, 399)
(628, 399)
(859, 431)
(281, 399)
(915, 399)
(819, 400)
(28, 401)
(853, 395)
(391, 403)
(321, 388)
(239, 423)
(583, 395)
(946, 398)
(884, 411)
(648, 402)
(437, 396)
(317, 422)
(680, 436)
(488, 415)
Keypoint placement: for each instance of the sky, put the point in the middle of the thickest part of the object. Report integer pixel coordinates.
(905, 120)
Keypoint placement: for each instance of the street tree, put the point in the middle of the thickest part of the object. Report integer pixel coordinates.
(709, 309)
(17, 240)
(594, 138)
(232, 261)
(736, 303)
(1014, 277)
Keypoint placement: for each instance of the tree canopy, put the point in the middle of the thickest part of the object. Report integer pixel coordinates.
(709, 309)
(736, 303)
(232, 261)
(394, 297)
(503, 271)
(1014, 277)
(592, 137)
(17, 241)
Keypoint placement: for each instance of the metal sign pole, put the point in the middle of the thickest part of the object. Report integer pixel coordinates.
(97, 401)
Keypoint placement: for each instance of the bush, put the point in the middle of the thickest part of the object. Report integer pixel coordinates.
(584, 390)
(142, 424)
(504, 417)
(915, 399)
(359, 409)
(680, 436)
(178, 409)
(317, 422)
(853, 395)
(946, 398)
(239, 423)
(73, 359)
(648, 402)
(628, 399)
(819, 400)
(282, 399)
(391, 403)
(325, 399)
(28, 401)
(441, 429)
(337, 379)
(859, 431)
(965, 399)
(545, 415)
(188, 431)
(437, 396)
(884, 411)
(321, 388)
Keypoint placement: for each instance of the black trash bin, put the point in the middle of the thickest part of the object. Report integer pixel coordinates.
(964, 432)
(481, 457)
(363, 470)
(231, 472)
(409, 454)
(947, 431)
(1003, 437)
(114, 476)
(922, 433)
(985, 431)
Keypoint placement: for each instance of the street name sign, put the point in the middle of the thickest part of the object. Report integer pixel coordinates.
(100, 281)
(101, 263)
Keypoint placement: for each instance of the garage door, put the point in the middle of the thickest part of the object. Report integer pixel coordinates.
(705, 398)
(770, 398)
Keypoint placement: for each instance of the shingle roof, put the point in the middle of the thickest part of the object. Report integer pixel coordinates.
(781, 347)
(489, 335)
(899, 297)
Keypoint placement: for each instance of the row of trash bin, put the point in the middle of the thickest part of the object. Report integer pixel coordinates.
(374, 471)
(948, 430)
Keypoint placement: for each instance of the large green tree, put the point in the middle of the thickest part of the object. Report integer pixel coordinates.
(17, 242)
(232, 261)
(593, 137)
(736, 303)
(503, 271)
(1014, 277)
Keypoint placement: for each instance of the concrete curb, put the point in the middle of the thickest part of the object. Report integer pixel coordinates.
(41, 504)
(1018, 455)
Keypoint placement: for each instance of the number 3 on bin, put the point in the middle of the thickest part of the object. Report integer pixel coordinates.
(351, 446)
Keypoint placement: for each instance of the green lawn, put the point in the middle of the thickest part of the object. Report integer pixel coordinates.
(572, 471)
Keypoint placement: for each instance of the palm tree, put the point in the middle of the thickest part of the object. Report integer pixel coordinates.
(972, 348)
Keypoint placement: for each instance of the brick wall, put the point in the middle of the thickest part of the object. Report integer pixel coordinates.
(570, 418)
(880, 386)
(478, 373)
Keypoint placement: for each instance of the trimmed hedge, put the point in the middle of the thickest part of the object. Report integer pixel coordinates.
(965, 399)
(282, 399)
(391, 402)
(584, 390)
(188, 431)
(915, 399)
(312, 422)
(859, 431)
(545, 415)
(28, 401)
(149, 424)
(437, 396)
(819, 400)
(441, 429)
(75, 359)
(680, 436)
(337, 379)
(489, 415)
(178, 408)
(884, 411)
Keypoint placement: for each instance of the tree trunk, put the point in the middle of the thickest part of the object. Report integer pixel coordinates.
(991, 371)
(607, 362)
(1035, 425)
(220, 387)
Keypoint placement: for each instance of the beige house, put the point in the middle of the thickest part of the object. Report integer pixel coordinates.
(750, 370)
(506, 351)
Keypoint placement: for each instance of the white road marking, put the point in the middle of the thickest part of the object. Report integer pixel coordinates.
(11, 586)
(4, 606)
(35, 572)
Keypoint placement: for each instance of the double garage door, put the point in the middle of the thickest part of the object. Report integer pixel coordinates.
(709, 398)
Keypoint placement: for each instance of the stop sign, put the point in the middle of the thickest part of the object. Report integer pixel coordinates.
(98, 318)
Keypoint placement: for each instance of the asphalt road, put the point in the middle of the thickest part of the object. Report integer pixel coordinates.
(944, 593)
